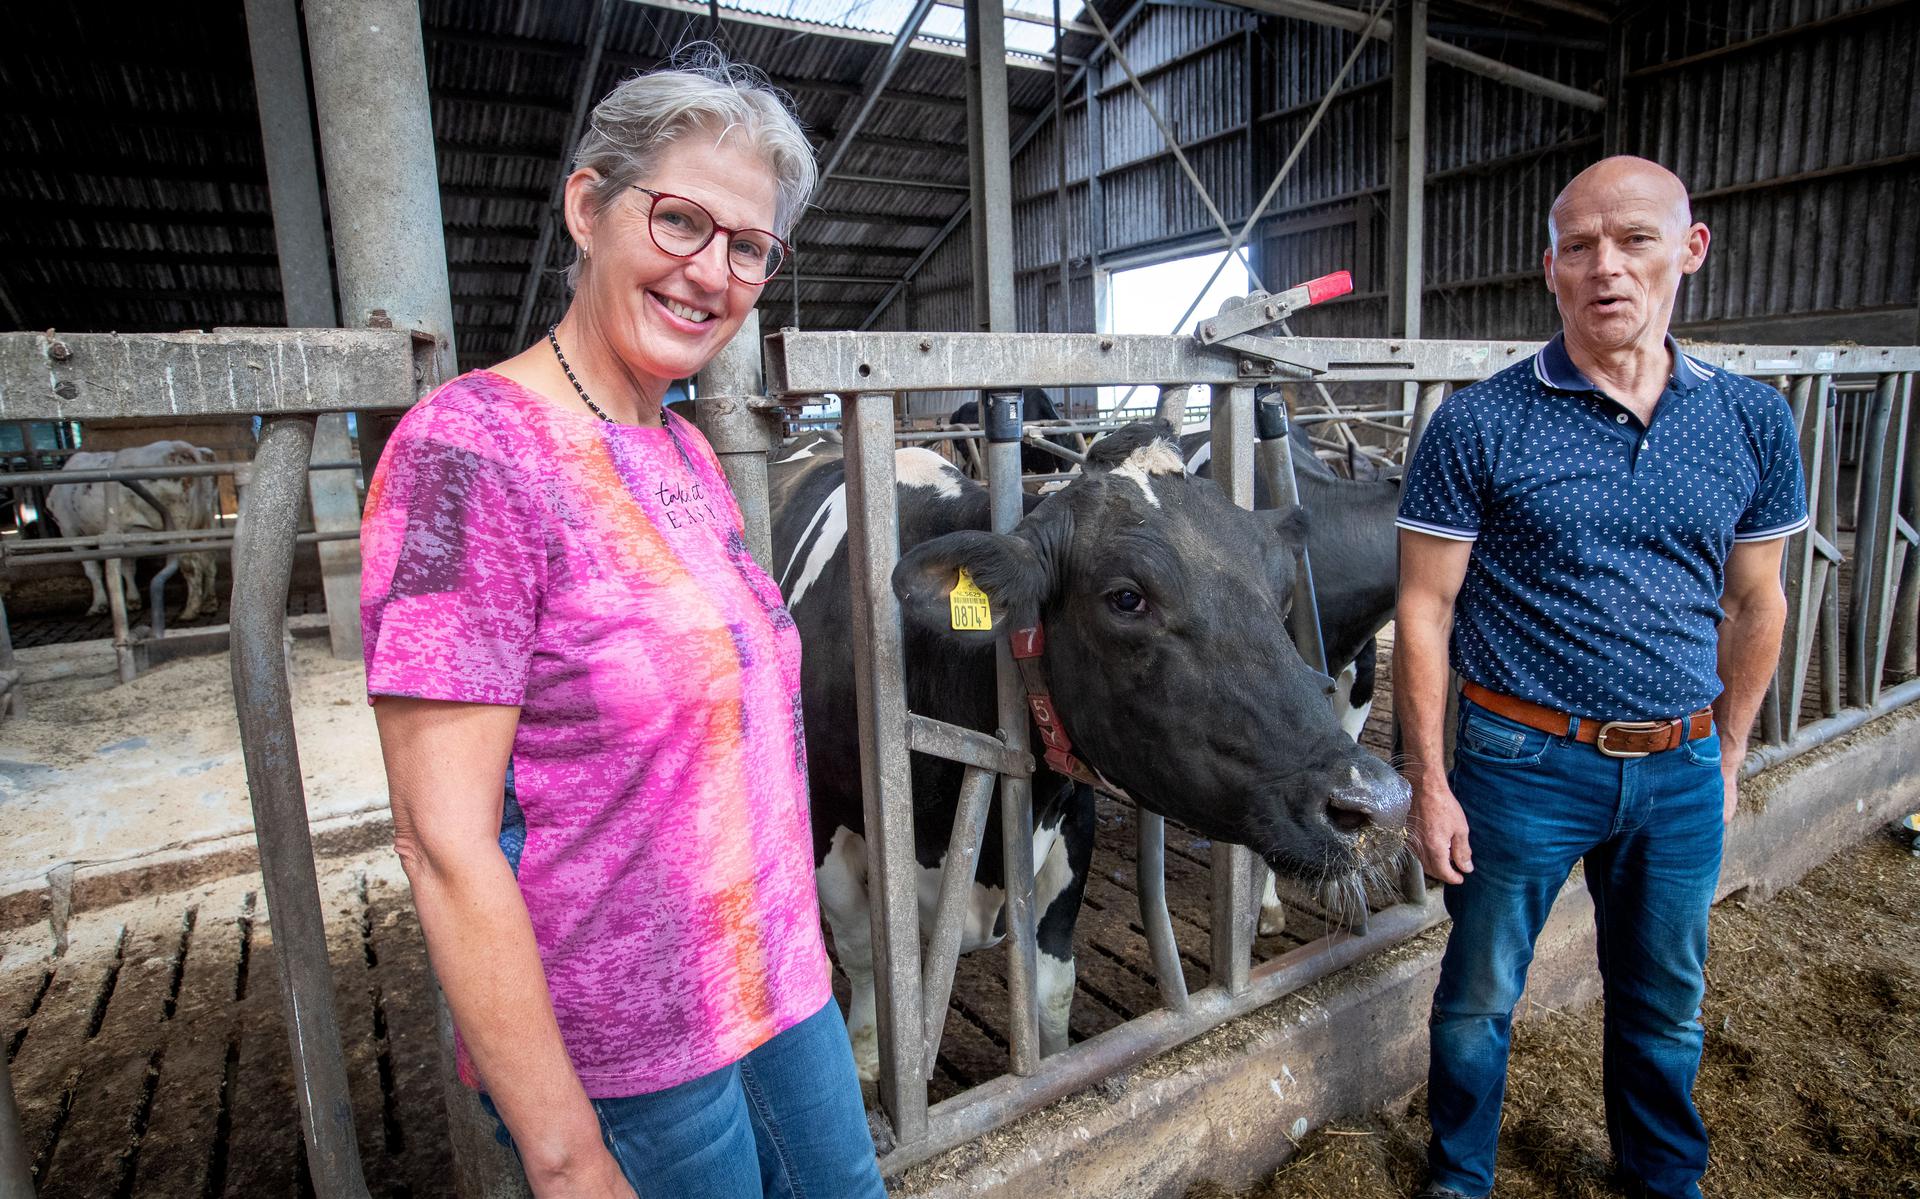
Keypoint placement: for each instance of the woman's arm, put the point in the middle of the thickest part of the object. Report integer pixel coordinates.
(446, 771)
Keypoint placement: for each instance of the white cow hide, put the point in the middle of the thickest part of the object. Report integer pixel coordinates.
(89, 509)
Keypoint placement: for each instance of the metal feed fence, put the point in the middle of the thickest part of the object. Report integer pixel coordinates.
(1862, 622)
(872, 372)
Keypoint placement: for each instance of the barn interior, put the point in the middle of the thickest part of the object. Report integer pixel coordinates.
(986, 167)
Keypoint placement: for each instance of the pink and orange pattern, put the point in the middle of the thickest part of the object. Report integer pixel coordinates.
(596, 575)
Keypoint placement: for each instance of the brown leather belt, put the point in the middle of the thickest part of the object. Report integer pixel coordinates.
(1614, 738)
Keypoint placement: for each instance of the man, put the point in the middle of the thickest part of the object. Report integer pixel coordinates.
(1596, 533)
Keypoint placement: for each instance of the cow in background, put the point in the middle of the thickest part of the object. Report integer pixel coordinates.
(90, 509)
(1035, 404)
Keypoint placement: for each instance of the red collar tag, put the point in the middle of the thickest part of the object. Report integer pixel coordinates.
(1030, 643)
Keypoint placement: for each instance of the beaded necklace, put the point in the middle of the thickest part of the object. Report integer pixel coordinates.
(553, 340)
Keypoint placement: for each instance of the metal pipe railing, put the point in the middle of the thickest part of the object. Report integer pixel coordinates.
(1007, 504)
(265, 706)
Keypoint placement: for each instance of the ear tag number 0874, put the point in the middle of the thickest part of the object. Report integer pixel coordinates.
(971, 611)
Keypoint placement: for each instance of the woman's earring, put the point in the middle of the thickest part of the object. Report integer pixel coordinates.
(586, 251)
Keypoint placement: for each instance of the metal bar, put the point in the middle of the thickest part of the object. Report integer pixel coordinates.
(1060, 176)
(816, 363)
(1001, 414)
(1903, 642)
(1273, 461)
(55, 478)
(1825, 732)
(1447, 52)
(1235, 902)
(156, 602)
(264, 704)
(1173, 141)
(306, 286)
(989, 168)
(1802, 598)
(106, 376)
(1874, 576)
(968, 1117)
(1150, 881)
(875, 84)
(925, 735)
(293, 177)
(742, 434)
(1039, 442)
(1406, 219)
(133, 550)
(585, 84)
(1825, 534)
(957, 871)
(16, 1164)
(886, 777)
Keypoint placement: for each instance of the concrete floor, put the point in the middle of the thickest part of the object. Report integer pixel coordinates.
(99, 777)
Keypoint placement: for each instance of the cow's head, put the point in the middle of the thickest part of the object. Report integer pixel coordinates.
(1169, 660)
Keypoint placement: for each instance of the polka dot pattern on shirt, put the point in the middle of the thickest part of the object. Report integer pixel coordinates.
(1600, 544)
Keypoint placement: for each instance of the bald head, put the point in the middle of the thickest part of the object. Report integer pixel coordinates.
(1619, 239)
(1623, 182)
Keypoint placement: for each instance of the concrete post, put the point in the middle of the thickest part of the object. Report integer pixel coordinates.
(741, 436)
(990, 167)
(376, 134)
(306, 285)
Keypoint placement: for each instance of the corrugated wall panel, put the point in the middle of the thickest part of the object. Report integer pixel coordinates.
(1802, 150)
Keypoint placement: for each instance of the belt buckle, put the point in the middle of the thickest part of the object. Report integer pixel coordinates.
(1627, 726)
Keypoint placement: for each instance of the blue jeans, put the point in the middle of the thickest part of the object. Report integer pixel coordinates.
(784, 1122)
(1649, 830)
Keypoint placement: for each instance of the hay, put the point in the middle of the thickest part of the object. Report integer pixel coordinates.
(1810, 1084)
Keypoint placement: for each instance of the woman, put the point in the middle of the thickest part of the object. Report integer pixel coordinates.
(588, 697)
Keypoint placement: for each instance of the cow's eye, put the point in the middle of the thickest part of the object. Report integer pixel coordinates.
(1130, 602)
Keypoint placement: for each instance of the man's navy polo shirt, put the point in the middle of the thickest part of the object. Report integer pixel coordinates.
(1600, 544)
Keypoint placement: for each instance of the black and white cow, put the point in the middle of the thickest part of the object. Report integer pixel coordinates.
(1351, 541)
(1352, 545)
(1163, 608)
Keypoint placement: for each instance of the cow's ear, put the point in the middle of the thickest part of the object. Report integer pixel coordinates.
(1006, 568)
(1291, 527)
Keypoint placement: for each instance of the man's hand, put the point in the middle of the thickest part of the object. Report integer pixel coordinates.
(1439, 830)
(1730, 780)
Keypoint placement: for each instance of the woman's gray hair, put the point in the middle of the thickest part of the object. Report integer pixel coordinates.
(701, 92)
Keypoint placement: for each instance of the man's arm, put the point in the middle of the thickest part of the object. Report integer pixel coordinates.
(1431, 571)
(1756, 612)
(446, 773)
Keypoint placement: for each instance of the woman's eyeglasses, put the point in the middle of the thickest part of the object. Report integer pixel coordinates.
(682, 228)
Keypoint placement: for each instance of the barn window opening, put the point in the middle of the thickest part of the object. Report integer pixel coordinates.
(1150, 299)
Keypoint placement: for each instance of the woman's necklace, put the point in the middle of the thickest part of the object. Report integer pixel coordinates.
(553, 340)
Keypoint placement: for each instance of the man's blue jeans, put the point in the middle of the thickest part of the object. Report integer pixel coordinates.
(1649, 830)
(784, 1122)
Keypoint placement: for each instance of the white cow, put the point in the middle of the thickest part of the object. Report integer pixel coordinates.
(89, 509)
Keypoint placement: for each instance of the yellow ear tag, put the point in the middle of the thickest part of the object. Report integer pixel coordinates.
(971, 612)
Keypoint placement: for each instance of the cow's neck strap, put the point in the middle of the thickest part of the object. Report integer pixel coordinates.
(1028, 645)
